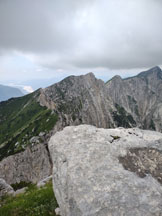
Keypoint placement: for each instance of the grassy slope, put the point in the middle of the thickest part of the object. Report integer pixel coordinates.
(33, 202)
(20, 119)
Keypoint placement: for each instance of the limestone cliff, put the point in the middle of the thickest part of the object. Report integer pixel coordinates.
(83, 100)
(140, 96)
(75, 100)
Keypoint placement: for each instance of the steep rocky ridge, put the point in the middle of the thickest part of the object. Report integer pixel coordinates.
(31, 120)
(93, 177)
(140, 96)
(20, 120)
(81, 99)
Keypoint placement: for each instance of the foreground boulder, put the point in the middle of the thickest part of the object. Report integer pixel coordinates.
(107, 172)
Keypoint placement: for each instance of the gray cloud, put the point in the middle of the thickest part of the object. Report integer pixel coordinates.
(114, 34)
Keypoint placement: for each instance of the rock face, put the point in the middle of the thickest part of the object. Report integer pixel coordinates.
(81, 100)
(140, 96)
(5, 188)
(107, 172)
(136, 101)
(32, 165)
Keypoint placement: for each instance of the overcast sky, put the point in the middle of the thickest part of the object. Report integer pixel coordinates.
(51, 39)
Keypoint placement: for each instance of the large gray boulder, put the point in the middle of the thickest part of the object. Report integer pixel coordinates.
(107, 172)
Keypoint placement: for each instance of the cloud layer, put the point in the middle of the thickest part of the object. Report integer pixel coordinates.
(112, 34)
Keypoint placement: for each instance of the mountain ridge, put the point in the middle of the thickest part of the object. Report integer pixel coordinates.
(84, 99)
(28, 122)
(7, 92)
(140, 96)
(146, 72)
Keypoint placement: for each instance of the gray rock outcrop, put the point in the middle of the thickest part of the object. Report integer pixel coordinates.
(5, 188)
(140, 96)
(32, 165)
(135, 101)
(80, 100)
(107, 172)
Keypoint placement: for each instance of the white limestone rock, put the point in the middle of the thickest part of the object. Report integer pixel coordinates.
(89, 178)
(44, 181)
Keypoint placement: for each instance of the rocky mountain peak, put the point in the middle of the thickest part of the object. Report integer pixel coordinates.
(116, 80)
(80, 99)
(72, 87)
(117, 77)
(154, 72)
(140, 96)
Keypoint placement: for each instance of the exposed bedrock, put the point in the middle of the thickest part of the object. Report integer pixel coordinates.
(32, 165)
(107, 172)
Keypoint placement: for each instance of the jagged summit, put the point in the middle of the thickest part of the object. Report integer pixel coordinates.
(80, 99)
(90, 100)
(141, 97)
(84, 99)
(115, 79)
(151, 72)
(155, 72)
(71, 79)
(31, 119)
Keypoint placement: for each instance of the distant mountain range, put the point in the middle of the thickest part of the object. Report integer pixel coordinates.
(131, 102)
(7, 92)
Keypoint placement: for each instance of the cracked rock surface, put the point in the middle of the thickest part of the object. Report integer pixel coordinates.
(107, 172)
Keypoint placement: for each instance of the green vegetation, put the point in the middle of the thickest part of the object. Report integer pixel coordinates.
(115, 137)
(122, 118)
(33, 202)
(20, 120)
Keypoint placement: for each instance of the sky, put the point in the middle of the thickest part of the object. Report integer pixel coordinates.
(43, 41)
